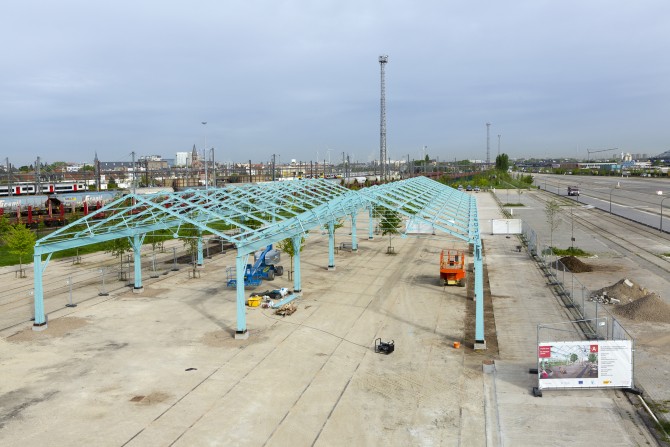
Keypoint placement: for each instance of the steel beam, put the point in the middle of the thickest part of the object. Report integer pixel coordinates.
(480, 342)
(38, 293)
(354, 241)
(297, 287)
(371, 225)
(200, 260)
(331, 245)
(137, 264)
(240, 268)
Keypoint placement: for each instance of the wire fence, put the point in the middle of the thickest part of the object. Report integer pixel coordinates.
(598, 321)
(94, 276)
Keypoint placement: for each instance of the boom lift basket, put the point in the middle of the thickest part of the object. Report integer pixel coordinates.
(452, 267)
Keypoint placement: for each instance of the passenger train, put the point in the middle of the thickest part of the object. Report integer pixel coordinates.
(70, 198)
(24, 189)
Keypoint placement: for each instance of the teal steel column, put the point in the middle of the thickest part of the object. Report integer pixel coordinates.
(371, 226)
(296, 260)
(137, 251)
(200, 249)
(331, 245)
(40, 319)
(240, 267)
(354, 242)
(479, 293)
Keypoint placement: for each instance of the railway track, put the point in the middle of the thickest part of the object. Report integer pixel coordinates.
(630, 247)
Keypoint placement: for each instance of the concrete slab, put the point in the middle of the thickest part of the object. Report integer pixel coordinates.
(164, 367)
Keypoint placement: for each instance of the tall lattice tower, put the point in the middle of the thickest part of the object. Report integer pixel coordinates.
(383, 60)
(488, 146)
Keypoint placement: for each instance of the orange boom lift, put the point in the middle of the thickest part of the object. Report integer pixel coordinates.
(452, 267)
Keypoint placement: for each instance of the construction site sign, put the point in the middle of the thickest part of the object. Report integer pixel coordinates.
(585, 364)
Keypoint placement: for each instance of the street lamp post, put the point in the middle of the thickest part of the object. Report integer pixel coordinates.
(612, 189)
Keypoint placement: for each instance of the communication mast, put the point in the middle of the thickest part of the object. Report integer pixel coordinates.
(383, 60)
(488, 146)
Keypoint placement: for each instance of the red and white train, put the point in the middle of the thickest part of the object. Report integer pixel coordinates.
(29, 189)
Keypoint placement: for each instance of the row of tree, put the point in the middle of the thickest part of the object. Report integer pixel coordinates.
(19, 240)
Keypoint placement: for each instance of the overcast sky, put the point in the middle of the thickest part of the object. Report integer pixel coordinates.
(299, 78)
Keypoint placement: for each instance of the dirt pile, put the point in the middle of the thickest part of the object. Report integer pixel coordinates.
(575, 265)
(637, 303)
(647, 308)
(624, 291)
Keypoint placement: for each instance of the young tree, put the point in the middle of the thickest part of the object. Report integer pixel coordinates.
(339, 223)
(20, 241)
(551, 211)
(158, 238)
(287, 247)
(389, 222)
(117, 247)
(189, 235)
(5, 226)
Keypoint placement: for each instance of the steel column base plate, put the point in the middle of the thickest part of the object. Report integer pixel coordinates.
(241, 335)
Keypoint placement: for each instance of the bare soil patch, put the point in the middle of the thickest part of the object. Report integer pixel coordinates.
(59, 327)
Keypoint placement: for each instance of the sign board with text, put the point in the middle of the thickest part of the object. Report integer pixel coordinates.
(585, 364)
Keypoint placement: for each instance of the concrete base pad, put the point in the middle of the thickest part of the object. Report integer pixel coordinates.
(138, 289)
(241, 335)
(39, 327)
(480, 345)
(331, 268)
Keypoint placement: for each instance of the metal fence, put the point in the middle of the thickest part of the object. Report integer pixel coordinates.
(95, 277)
(585, 306)
(598, 322)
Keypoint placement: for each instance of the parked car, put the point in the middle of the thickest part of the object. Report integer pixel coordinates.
(460, 187)
(477, 189)
(468, 188)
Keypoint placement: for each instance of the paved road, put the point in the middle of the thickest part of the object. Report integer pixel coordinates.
(634, 198)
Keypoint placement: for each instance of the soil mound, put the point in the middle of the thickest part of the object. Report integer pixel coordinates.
(624, 291)
(647, 308)
(575, 265)
(636, 303)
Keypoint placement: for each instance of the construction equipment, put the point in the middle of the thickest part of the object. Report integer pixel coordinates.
(452, 267)
(573, 190)
(260, 270)
(254, 301)
(382, 347)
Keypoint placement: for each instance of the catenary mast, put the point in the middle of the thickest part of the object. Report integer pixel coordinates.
(383, 60)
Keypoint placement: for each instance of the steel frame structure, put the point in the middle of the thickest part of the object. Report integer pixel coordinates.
(445, 209)
(252, 216)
